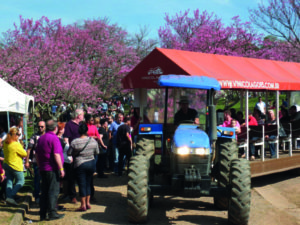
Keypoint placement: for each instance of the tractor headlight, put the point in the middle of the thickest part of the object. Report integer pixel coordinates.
(202, 151)
(192, 151)
(183, 150)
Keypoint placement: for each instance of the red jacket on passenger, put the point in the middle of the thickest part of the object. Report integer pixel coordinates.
(252, 121)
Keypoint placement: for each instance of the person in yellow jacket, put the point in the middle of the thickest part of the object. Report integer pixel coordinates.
(13, 164)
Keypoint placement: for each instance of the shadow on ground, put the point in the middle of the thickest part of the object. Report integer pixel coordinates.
(116, 211)
(274, 178)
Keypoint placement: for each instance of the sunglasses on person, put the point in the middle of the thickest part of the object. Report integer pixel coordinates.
(40, 126)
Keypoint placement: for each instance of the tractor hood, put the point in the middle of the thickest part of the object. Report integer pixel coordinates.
(191, 136)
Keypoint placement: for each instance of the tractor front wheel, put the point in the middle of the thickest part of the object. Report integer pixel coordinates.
(138, 194)
(240, 199)
(228, 152)
(145, 146)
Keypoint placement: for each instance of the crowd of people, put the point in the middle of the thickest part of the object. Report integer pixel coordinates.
(261, 116)
(62, 154)
(103, 109)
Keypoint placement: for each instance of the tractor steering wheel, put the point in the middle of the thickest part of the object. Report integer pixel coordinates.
(186, 121)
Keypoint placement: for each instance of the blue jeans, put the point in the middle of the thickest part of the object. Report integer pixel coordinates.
(12, 175)
(116, 166)
(272, 147)
(124, 151)
(116, 153)
(37, 181)
(116, 157)
(84, 174)
(252, 147)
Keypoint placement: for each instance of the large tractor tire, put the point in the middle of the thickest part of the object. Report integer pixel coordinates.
(138, 194)
(145, 146)
(228, 152)
(240, 199)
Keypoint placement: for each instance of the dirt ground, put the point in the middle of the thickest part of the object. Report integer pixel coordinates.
(275, 200)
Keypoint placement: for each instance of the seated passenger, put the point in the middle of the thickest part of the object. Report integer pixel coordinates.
(227, 120)
(257, 115)
(285, 118)
(240, 117)
(251, 120)
(294, 114)
(185, 113)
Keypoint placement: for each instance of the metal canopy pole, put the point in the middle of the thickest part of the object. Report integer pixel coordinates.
(277, 122)
(247, 123)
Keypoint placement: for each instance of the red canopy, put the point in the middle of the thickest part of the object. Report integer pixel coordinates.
(232, 72)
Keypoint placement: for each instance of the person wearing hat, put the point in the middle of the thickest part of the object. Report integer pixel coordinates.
(185, 113)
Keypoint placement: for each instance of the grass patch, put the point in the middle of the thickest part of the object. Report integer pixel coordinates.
(251, 103)
(30, 130)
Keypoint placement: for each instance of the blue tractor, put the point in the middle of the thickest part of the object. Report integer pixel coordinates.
(189, 159)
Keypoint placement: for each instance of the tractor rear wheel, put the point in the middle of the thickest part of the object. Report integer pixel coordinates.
(138, 194)
(240, 199)
(228, 151)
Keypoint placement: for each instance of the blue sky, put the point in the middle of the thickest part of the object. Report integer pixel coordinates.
(130, 14)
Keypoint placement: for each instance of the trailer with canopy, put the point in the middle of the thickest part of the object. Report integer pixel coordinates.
(232, 72)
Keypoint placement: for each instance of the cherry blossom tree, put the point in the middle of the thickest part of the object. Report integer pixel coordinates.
(66, 63)
(205, 32)
(38, 60)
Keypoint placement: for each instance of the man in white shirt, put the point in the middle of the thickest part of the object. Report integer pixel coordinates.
(261, 106)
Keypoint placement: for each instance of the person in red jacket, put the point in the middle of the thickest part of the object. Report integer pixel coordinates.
(251, 120)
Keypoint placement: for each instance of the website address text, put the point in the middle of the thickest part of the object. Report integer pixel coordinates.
(249, 84)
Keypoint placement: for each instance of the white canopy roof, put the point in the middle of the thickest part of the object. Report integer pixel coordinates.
(13, 100)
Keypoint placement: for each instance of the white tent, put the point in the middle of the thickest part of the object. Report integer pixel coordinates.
(12, 100)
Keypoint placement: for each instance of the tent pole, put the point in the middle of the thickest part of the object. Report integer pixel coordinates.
(25, 130)
(8, 123)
